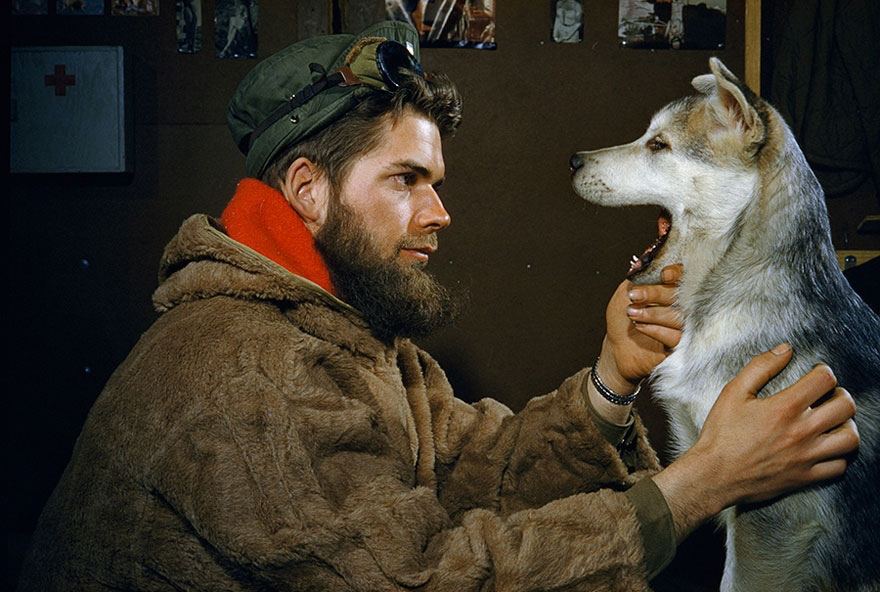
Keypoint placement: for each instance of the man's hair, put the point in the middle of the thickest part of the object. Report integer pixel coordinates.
(335, 148)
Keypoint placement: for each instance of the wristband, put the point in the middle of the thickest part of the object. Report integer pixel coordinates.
(607, 393)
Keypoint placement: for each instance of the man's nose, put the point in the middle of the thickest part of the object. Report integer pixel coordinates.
(575, 162)
(432, 215)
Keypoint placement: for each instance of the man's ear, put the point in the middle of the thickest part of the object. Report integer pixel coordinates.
(307, 192)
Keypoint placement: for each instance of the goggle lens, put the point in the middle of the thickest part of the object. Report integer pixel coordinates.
(391, 57)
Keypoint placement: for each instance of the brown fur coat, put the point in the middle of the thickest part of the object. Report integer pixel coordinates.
(259, 437)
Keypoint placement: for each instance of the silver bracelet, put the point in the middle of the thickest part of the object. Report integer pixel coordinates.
(607, 393)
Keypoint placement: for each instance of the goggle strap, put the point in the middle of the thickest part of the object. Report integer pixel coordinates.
(349, 78)
(343, 77)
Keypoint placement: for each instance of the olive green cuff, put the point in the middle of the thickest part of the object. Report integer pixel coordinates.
(655, 525)
(616, 435)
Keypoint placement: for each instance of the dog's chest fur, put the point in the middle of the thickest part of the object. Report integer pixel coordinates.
(707, 358)
(687, 384)
(719, 338)
(681, 384)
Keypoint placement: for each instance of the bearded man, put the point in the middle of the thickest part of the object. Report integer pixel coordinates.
(277, 429)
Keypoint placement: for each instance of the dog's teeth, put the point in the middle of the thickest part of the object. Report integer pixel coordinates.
(635, 258)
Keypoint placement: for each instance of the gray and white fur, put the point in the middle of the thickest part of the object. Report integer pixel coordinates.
(750, 225)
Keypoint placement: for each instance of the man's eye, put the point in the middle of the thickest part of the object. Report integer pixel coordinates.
(408, 179)
(655, 144)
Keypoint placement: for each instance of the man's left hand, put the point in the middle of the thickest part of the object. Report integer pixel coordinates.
(642, 326)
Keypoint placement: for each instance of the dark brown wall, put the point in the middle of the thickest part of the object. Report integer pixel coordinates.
(540, 263)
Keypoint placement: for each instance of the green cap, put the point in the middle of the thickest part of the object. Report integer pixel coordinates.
(261, 101)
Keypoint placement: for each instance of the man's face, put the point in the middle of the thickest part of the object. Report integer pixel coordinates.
(392, 190)
(381, 230)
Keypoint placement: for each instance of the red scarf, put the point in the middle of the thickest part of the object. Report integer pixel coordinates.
(260, 217)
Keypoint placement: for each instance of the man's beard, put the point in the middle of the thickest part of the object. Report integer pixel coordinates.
(395, 299)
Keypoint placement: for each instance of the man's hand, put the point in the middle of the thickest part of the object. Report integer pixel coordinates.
(641, 327)
(752, 449)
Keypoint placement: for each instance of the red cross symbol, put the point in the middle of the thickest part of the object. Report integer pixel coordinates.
(60, 80)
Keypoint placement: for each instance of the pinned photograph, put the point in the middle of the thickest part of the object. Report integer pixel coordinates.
(672, 24)
(79, 7)
(448, 23)
(235, 29)
(568, 21)
(189, 26)
(25, 7)
(135, 7)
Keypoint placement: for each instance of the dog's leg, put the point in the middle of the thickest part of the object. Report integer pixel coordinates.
(773, 547)
(730, 559)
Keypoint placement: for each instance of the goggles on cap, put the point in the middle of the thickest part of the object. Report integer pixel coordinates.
(375, 62)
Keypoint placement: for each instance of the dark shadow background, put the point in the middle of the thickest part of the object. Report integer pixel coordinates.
(540, 264)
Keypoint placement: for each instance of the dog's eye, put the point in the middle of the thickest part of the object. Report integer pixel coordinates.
(655, 144)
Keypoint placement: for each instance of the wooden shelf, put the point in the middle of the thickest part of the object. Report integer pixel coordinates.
(860, 256)
(870, 225)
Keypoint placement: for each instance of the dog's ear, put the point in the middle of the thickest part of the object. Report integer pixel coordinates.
(732, 101)
(705, 84)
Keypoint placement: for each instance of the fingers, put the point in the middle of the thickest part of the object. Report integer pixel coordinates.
(655, 315)
(662, 294)
(652, 308)
(671, 274)
(668, 336)
(802, 435)
(829, 469)
(811, 387)
(652, 295)
(759, 371)
(831, 448)
(837, 443)
(832, 413)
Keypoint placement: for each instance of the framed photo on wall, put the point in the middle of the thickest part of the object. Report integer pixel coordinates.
(568, 21)
(135, 8)
(235, 29)
(672, 24)
(34, 7)
(448, 23)
(189, 26)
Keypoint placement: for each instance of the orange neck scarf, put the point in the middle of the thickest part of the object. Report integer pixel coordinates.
(259, 217)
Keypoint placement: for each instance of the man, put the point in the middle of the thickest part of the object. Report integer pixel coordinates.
(276, 429)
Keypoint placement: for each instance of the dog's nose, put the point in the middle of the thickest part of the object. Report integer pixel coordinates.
(575, 162)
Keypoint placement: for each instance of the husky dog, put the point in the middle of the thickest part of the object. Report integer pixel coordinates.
(742, 211)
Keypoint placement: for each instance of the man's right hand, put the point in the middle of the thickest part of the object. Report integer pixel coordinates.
(752, 449)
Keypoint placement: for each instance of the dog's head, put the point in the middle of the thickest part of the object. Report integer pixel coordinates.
(697, 161)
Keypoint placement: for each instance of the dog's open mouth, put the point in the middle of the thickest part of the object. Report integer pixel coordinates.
(641, 263)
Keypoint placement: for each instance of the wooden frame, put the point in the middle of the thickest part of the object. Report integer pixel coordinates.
(753, 45)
